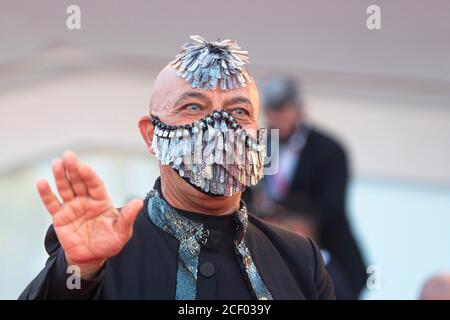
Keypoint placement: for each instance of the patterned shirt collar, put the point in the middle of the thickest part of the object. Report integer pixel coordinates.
(192, 236)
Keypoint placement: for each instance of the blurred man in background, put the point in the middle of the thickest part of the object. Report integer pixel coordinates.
(307, 195)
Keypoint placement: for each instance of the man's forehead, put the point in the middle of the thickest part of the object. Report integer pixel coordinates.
(214, 95)
(170, 89)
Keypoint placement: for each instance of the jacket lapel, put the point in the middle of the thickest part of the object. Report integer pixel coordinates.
(272, 267)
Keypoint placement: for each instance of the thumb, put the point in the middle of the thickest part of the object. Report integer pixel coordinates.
(127, 216)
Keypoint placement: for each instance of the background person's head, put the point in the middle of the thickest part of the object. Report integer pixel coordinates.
(282, 104)
(436, 288)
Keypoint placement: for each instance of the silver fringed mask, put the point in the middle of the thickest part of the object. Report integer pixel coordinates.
(214, 154)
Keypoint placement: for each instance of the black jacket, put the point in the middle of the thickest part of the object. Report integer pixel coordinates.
(291, 266)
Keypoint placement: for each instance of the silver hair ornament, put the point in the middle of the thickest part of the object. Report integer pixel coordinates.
(206, 65)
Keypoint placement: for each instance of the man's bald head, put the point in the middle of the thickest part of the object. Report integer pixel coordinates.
(166, 81)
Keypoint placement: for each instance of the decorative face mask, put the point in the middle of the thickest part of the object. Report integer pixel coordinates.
(213, 154)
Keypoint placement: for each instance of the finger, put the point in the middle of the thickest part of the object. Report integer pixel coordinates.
(49, 199)
(127, 216)
(62, 183)
(95, 186)
(71, 165)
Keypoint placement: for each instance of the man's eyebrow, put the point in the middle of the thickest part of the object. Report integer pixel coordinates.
(237, 100)
(192, 94)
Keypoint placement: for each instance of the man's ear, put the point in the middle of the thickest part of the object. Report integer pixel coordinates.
(146, 128)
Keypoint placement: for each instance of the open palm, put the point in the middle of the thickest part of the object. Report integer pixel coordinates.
(89, 227)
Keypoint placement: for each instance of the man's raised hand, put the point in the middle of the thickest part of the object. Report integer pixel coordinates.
(89, 227)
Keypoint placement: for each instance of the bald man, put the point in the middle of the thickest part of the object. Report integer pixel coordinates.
(192, 237)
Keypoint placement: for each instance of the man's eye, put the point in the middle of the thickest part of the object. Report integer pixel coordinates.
(192, 107)
(239, 112)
